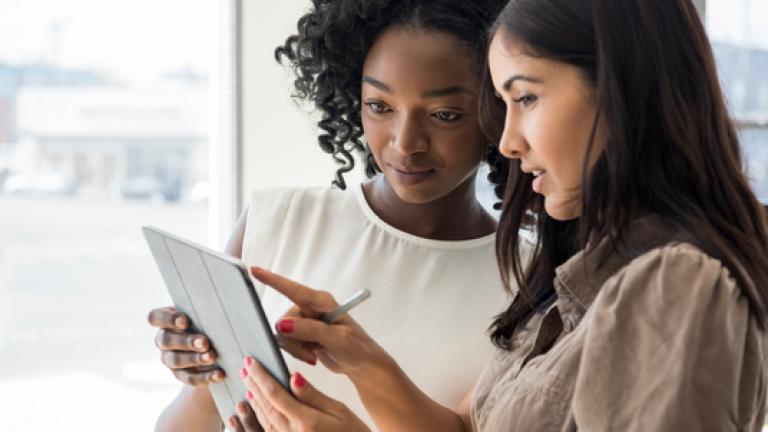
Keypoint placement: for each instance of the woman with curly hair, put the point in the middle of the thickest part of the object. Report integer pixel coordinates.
(396, 82)
(645, 304)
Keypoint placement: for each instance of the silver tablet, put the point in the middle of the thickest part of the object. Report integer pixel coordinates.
(216, 293)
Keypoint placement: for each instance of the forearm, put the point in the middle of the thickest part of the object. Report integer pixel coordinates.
(192, 410)
(396, 404)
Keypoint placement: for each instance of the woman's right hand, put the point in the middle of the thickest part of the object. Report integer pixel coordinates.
(188, 355)
(343, 347)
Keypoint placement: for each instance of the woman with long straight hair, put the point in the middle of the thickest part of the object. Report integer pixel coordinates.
(644, 305)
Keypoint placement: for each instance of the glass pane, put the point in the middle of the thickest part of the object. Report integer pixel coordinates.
(103, 128)
(738, 30)
(755, 144)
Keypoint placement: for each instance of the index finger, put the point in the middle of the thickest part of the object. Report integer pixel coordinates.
(168, 318)
(276, 395)
(302, 296)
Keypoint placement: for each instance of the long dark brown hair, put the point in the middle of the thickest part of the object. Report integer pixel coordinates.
(672, 149)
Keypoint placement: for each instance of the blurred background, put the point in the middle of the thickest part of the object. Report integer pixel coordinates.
(118, 114)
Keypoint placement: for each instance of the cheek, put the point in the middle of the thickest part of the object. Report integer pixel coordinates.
(463, 144)
(375, 135)
(559, 142)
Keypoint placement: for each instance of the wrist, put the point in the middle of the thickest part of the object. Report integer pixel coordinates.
(380, 370)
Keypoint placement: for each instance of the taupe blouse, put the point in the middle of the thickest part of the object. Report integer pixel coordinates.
(660, 338)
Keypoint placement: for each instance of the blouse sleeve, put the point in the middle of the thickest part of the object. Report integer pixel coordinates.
(671, 346)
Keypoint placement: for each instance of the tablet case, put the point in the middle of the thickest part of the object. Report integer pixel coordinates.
(216, 293)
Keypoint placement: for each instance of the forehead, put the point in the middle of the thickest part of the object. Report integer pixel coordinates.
(421, 58)
(508, 53)
(508, 57)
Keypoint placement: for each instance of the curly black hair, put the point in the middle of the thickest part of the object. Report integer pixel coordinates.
(328, 52)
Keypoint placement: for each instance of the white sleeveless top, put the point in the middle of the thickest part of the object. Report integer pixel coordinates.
(431, 304)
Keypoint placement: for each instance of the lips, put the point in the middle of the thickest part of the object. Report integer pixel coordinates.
(538, 176)
(411, 175)
(538, 179)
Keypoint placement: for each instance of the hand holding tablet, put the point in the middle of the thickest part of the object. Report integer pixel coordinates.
(215, 292)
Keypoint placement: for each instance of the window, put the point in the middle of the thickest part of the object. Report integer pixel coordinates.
(109, 111)
(738, 31)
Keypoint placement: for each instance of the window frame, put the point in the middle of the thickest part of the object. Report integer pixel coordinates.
(225, 149)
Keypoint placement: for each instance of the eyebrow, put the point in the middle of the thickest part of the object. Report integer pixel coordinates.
(508, 83)
(376, 83)
(429, 94)
(447, 92)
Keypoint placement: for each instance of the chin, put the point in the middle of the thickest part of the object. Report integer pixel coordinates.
(561, 212)
(415, 196)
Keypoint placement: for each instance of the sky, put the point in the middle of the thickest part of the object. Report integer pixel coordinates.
(136, 40)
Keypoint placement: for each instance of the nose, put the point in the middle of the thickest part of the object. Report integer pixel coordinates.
(409, 136)
(512, 145)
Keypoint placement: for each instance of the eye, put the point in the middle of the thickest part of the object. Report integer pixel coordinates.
(525, 100)
(377, 107)
(448, 116)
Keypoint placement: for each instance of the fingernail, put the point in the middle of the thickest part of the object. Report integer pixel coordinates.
(248, 361)
(198, 343)
(206, 357)
(299, 380)
(180, 322)
(249, 395)
(285, 326)
(257, 269)
(312, 362)
(243, 372)
(240, 408)
(232, 423)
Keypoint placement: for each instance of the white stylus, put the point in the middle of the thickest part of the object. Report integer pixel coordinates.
(356, 299)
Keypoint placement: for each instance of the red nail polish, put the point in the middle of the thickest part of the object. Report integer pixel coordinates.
(249, 395)
(243, 373)
(248, 361)
(285, 326)
(312, 362)
(299, 380)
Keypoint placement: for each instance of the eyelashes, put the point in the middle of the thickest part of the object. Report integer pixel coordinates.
(377, 107)
(446, 116)
(526, 100)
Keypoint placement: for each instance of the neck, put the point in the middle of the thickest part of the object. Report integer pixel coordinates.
(455, 216)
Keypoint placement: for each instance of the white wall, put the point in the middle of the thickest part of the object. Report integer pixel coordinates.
(279, 140)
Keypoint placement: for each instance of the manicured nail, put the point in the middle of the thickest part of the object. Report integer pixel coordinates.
(243, 372)
(249, 395)
(299, 380)
(248, 361)
(312, 362)
(285, 326)
(198, 343)
(257, 269)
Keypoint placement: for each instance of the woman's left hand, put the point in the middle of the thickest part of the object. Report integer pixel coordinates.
(278, 410)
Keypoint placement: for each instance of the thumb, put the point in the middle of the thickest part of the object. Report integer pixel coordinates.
(309, 395)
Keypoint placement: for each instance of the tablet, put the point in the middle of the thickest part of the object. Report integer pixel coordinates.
(216, 293)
